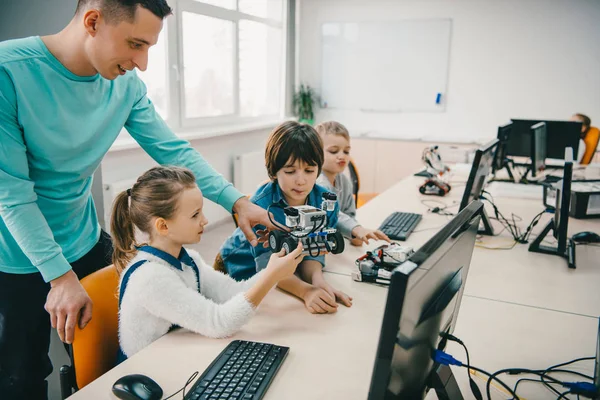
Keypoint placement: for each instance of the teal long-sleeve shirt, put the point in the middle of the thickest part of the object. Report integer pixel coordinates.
(55, 128)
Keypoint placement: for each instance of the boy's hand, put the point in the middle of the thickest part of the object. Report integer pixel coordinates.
(249, 215)
(318, 301)
(338, 295)
(363, 234)
(263, 237)
(283, 266)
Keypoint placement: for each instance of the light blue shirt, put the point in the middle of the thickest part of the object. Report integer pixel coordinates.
(55, 128)
(240, 259)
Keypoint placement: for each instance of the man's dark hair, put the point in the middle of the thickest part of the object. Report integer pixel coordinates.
(119, 10)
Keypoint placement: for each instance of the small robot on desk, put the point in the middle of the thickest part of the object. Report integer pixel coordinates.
(308, 225)
(438, 173)
(376, 266)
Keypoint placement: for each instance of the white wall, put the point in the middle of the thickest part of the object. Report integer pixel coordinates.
(219, 151)
(22, 18)
(508, 59)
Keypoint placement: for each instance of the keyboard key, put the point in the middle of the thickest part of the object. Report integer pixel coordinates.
(241, 371)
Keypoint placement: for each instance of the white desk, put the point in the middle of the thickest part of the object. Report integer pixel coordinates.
(508, 317)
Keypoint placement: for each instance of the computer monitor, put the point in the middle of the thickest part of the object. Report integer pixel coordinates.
(503, 138)
(538, 148)
(423, 301)
(519, 142)
(480, 171)
(560, 135)
(565, 247)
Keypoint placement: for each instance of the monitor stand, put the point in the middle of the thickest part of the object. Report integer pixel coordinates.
(507, 164)
(537, 247)
(488, 229)
(444, 383)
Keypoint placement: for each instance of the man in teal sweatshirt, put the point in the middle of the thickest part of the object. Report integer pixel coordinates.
(64, 99)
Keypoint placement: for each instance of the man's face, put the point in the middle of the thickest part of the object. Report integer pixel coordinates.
(117, 47)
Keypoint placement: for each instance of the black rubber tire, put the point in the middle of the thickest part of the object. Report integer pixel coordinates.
(276, 240)
(289, 245)
(338, 243)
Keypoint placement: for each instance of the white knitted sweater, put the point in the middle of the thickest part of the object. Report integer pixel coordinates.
(159, 295)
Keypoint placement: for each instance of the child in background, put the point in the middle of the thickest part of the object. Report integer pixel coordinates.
(589, 139)
(336, 145)
(293, 157)
(163, 285)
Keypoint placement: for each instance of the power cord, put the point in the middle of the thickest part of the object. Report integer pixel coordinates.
(579, 388)
(443, 358)
(190, 379)
(585, 389)
(439, 207)
(474, 388)
(515, 231)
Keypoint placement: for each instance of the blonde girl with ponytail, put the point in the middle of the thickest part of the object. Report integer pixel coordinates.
(163, 285)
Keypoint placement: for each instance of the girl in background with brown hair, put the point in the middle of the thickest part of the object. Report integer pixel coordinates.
(163, 285)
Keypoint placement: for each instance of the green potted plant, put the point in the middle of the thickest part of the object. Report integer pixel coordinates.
(303, 102)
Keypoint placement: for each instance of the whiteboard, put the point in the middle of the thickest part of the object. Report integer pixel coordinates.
(392, 66)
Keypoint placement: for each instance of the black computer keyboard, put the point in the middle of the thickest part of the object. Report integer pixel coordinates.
(243, 371)
(399, 225)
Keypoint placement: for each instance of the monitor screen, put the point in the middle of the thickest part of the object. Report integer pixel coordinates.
(538, 146)
(503, 138)
(562, 134)
(423, 301)
(563, 203)
(519, 143)
(480, 170)
(559, 136)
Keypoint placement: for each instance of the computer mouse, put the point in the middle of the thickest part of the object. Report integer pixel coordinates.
(137, 387)
(586, 237)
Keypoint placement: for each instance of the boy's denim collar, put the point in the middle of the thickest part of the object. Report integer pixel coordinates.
(278, 197)
(184, 257)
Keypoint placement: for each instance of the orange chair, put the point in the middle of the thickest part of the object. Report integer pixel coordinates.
(94, 349)
(360, 198)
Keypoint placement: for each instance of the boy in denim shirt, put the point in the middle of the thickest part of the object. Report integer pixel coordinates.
(294, 158)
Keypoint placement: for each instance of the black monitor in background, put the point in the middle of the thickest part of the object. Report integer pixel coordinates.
(565, 247)
(481, 169)
(519, 142)
(559, 136)
(423, 301)
(503, 138)
(538, 148)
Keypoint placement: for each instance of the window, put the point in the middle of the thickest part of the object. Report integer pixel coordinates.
(155, 75)
(260, 68)
(207, 66)
(219, 62)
